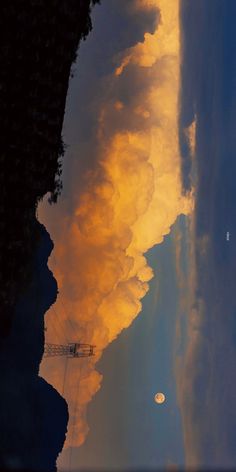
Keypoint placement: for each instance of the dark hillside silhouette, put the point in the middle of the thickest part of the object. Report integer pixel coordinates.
(38, 44)
(33, 416)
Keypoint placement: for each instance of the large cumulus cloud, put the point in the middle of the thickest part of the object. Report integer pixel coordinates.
(125, 201)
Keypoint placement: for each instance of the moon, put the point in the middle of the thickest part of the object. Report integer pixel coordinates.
(159, 397)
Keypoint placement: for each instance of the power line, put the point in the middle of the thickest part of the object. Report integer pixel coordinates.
(64, 378)
(66, 369)
(75, 412)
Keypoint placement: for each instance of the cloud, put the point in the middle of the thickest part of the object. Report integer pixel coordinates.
(206, 368)
(190, 134)
(187, 138)
(126, 204)
(205, 362)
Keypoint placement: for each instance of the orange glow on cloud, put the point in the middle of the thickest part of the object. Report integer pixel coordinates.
(131, 198)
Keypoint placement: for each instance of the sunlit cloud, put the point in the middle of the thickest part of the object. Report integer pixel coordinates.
(190, 134)
(130, 199)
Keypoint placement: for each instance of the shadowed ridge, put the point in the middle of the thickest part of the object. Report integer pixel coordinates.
(33, 415)
(38, 44)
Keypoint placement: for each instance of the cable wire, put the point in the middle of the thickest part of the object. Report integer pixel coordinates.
(75, 412)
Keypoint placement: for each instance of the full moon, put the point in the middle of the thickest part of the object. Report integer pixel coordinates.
(159, 397)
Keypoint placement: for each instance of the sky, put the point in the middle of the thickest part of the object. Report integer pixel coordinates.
(207, 396)
(141, 258)
(127, 427)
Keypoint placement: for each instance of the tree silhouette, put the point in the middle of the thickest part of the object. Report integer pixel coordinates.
(39, 40)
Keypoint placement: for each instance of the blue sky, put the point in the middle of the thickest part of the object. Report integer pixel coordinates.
(127, 429)
(208, 93)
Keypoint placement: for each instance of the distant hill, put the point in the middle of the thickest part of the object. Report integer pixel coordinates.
(33, 416)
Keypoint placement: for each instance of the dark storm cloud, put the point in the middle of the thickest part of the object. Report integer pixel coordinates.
(119, 26)
(203, 34)
(127, 26)
(209, 92)
(132, 108)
